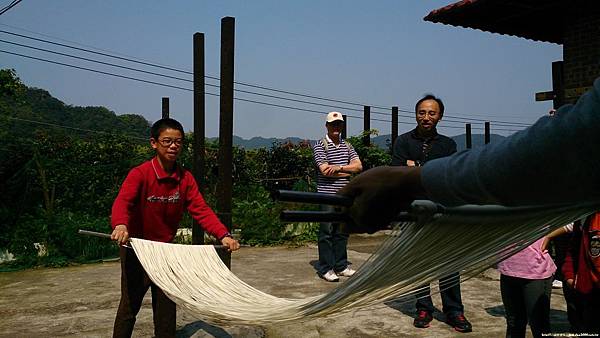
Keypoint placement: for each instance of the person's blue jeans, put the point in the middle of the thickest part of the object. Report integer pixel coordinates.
(333, 245)
(451, 298)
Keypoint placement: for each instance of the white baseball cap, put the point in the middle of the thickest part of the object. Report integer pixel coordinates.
(334, 116)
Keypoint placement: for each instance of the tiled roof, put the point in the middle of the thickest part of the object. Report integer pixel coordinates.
(541, 20)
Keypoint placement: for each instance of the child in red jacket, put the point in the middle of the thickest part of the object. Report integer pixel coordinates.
(581, 271)
(150, 205)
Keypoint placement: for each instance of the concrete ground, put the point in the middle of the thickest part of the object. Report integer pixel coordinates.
(81, 301)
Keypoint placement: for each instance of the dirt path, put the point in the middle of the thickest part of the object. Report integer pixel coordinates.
(81, 301)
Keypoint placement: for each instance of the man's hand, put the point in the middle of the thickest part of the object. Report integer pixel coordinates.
(230, 243)
(330, 170)
(380, 194)
(120, 234)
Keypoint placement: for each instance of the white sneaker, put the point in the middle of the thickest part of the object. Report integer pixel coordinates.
(556, 284)
(347, 272)
(330, 276)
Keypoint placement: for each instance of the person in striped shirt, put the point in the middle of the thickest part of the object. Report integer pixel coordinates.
(336, 160)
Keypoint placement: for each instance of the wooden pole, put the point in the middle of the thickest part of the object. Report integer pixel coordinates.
(165, 107)
(394, 125)
(199, 127)
(487, 132)
(367, 125)
(468, 142)
(224, 192)
(558, 86)
(345, 129)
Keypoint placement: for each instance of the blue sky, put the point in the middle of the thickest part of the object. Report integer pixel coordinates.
(379, 53)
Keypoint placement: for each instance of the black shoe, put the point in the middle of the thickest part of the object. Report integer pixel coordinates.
(459, 323)
(423, 319)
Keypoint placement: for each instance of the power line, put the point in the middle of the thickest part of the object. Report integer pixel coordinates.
(75, 43)
(190, 81)
(207, 93)
(169, 76)
(97, 71)
(9, 6)
(68, 127)
(449, 118)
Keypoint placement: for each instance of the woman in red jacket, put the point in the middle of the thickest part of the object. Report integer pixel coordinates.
(581, 271)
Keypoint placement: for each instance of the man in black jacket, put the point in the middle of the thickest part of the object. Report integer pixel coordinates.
(414, 148)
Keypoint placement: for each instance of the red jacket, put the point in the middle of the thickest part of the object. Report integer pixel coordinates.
(151, 203)
(580, 260)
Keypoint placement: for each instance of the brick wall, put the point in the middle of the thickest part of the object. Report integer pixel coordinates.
(581, 52)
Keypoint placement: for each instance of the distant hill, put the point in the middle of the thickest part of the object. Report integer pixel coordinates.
(477, 140)
(36, 110)
(259, 142)
(33, 104)
(381, 141)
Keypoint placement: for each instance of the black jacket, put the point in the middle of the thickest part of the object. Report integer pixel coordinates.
(410, 146)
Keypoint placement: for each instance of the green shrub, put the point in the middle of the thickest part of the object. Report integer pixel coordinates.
(52, 240)
(257, 215)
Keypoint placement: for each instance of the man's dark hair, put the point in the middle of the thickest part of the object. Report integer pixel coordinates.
(431, 97)
(163, 124)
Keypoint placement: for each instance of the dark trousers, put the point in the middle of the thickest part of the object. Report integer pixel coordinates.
(333, 244)
(526, 301)
(590, 311)
(450, 293)
(134, 284)
(573, 308)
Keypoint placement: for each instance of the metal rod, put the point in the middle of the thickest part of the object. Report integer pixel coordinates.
(93, 233)
(104, 235)
(312, 197)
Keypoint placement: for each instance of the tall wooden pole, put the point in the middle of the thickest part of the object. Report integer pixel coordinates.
(394, 125)
(558, 86)
(225, 191)
(199, 127)
(345, 128)
(165, 107)
(367, 125)
(468, 142)
(487, 133)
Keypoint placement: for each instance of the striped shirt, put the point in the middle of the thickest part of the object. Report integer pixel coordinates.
(341, 154)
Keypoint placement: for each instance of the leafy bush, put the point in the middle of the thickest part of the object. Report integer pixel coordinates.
(371, 156)
(257, 215)
(54, 183)
(52, 240)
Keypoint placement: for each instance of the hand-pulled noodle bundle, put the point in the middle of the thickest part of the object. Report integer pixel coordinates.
(468, 239)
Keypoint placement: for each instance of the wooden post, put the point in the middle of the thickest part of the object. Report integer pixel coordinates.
(345, 129)
(558, 86)
(394, 125)
(165, 107)
(468, 142)
(487, 133)
(199, 127)
(224, 192)
(367, 125)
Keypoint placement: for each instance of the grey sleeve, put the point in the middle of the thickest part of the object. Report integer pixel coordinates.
(557, 160)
